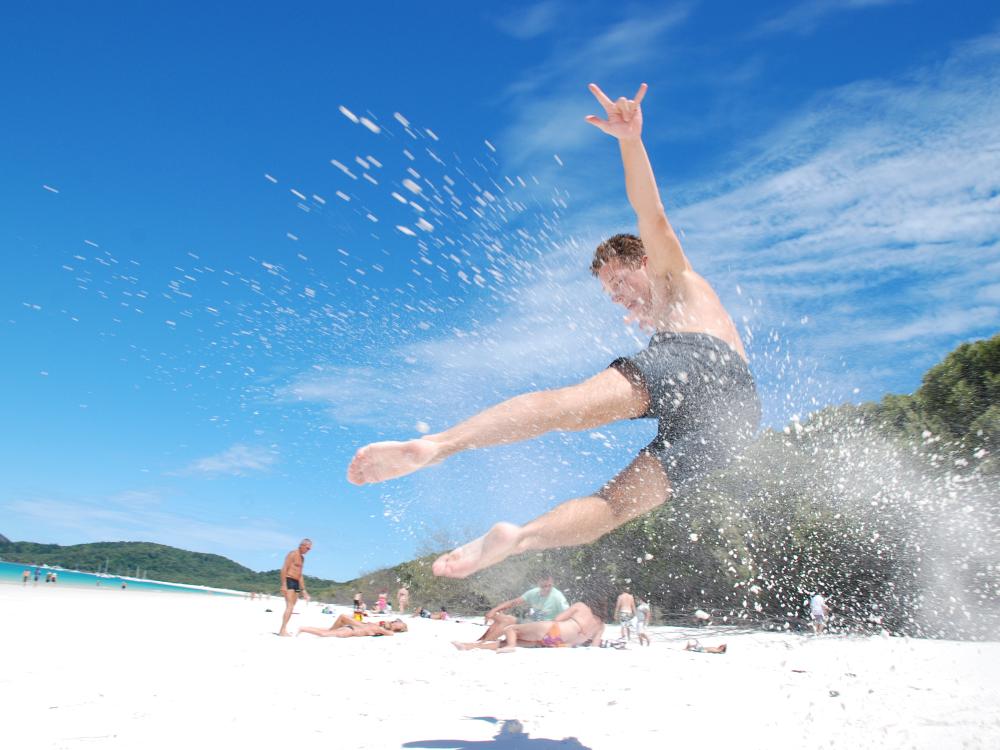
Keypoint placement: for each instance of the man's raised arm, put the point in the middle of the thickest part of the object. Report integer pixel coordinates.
(658, 238)
(503, 607)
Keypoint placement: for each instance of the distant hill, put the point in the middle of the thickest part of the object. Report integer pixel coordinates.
(156, 561)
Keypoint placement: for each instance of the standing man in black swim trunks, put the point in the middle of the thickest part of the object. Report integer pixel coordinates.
(692, 378)
(293, 582)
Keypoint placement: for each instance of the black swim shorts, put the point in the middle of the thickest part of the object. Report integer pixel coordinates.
(703, 396)
(292, 584)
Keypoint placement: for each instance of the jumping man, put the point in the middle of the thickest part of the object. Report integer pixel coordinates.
(692, 378)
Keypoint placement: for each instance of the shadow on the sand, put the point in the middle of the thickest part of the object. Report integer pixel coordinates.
(510, 737)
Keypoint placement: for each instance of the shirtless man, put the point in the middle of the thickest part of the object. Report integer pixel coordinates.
(293, 583)
(577, 626)
(692, 377)
(625, 609)
(402, 599)
(348, 627)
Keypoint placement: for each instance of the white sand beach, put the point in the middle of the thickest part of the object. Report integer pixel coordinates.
(122, 669)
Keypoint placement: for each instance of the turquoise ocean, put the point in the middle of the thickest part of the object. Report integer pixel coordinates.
(12, 573)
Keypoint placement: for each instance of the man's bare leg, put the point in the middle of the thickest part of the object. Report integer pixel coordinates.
(488, 645)
(341, 632)
(496, 627)
(639, 488)
(606, 397)
(290, 598)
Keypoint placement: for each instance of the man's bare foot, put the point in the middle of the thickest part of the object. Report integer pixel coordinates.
(285, 635)
(497, 544)
(378, 462)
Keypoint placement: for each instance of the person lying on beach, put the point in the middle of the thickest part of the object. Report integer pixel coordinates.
(577, 626)
(693, 378)
(347, 627)
(699, 649)
(427, 614)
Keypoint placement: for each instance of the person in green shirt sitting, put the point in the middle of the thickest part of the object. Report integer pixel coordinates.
(545, 602)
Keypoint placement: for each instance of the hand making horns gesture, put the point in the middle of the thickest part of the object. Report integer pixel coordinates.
(624, 116)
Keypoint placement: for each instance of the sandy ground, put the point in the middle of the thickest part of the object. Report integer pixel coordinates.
(121, 669)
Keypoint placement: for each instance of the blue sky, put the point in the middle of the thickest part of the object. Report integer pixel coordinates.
(239, 245)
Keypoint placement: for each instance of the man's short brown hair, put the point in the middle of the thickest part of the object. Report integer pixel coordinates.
(624, 247)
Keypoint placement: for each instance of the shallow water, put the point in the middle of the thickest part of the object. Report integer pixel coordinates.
(13, 573)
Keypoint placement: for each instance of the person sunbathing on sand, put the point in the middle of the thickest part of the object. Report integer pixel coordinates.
(347, 627)
(693, 378)
(577, 626)
(698, 648)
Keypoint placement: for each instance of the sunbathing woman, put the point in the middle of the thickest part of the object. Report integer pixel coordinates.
(577, 626)
(346, 627)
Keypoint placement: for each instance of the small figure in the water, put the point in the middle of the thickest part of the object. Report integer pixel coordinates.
(692, 377)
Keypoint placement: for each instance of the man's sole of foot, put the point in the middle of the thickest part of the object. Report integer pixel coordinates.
(379, 462)
(497, 544)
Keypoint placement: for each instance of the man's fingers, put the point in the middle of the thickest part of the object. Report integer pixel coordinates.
(624, 108)
(597, 122)
(601, 97)
(640, 94)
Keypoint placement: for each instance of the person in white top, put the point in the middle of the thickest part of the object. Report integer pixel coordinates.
(642, 617)
(820, 612)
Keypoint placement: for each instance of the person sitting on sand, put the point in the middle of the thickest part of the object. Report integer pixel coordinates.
(347, 627)
(577, 626)
(545, 600)
(698, 648)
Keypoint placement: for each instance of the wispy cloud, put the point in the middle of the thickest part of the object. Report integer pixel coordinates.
(806, 17)
(239, 460)
(108, 519)
(530, 22)
(547, 100)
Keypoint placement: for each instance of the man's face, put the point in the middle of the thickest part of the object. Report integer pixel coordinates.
(628, 286)
(305, 547)
(545, 585)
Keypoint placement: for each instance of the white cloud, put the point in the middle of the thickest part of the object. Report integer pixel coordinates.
(805, 17)
(108, 520)
(533, 21)
(238, 460)
(551, 100)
